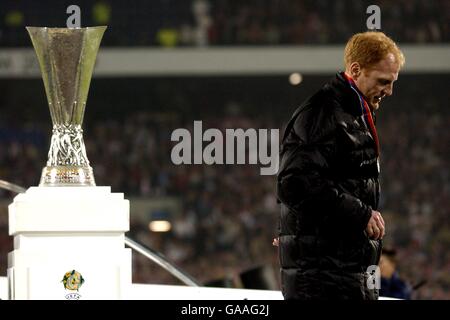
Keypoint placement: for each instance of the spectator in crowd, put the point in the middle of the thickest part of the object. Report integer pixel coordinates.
(391, 283)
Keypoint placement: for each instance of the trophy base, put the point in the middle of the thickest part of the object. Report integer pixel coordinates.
(59, 176)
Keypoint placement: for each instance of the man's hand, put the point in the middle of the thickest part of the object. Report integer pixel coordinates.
(276, 242)
(375, 226)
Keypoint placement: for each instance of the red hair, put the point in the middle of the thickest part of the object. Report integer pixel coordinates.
(369, 48)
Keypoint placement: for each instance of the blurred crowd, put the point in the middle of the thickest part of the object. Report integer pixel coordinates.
(170, 23)
(229, 213)
(416, 183)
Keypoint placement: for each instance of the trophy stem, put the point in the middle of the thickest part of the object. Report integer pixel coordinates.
(67, 160)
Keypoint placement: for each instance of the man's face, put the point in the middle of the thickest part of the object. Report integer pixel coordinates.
(387, 267)
(376, 82)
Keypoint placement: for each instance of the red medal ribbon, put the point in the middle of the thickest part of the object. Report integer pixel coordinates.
(366, 112)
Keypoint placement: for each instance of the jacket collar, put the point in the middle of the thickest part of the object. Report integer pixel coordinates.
(344, 94)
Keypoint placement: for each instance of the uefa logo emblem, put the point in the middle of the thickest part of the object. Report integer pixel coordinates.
(72, 281)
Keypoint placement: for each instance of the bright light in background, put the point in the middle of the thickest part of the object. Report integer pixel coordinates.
(159, 226)
(295, 78)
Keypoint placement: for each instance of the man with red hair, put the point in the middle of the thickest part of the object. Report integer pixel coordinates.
(328, 183)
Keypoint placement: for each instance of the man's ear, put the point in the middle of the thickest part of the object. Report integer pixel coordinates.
(355, 70)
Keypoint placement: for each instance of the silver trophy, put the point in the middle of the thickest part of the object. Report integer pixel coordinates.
(67, 58)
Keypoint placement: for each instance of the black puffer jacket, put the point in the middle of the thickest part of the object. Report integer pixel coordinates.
(327, 185)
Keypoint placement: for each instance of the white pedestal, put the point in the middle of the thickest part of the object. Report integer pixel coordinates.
(60, 229)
